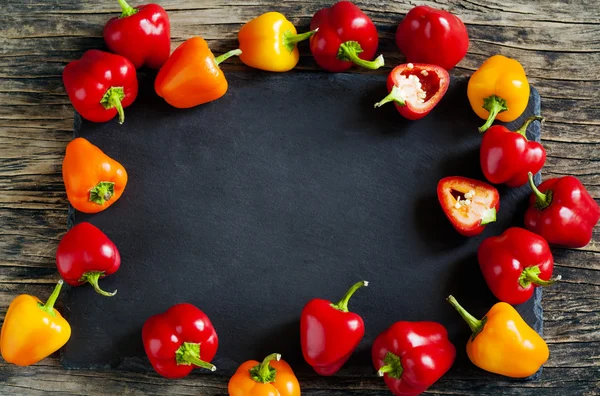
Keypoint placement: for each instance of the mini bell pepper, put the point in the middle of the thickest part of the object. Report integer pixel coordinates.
(498, 90)
(329, 333)
(507, 156)
(191, 76)
(93, 180)
(179, 339)
(141, 34)
(100, 85)
(502, 343)
(268, 42)
(272, 377)
(412, 356)
(514, 263)
(85, 254)
(469, 204)
(345, 36)
(416, 89)
(32, 330)
(429, 35)
(562, 211)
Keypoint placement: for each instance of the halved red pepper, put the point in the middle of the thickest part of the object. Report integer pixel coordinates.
(416, 89)
(469, 204)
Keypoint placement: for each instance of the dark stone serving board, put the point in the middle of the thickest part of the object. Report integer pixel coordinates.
(291, 186)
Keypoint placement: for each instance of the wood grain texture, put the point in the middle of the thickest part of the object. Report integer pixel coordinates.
(557, 42)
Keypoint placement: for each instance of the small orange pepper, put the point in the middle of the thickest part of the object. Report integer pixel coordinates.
(498, 90)
(93, 180)
(272, 377)
(502, 343)
(268, 42)
(191, 76)
(32, 330)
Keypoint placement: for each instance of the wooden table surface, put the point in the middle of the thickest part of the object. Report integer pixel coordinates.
(557, 42)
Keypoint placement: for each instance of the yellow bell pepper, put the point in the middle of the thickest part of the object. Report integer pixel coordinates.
(268, 42)
(498, 90)
(502, 343)
(32, 330)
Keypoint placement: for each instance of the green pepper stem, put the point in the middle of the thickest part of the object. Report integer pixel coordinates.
(290, 40)
(523, 129)
(48, 307)
(263, 372)
(92, 277)
(127, 9)
(542, 200)
(531, 275)
(489, 216)
(349, 51)
(223, 57)
(475, 324)
(494, 104)
(392, 366)
(189, 353)
(112, 99)
(343, 304)
(395, 95)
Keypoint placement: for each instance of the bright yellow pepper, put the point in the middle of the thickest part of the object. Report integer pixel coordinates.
(32, 330)
(498, 89)
(268, 42)
(502, 343)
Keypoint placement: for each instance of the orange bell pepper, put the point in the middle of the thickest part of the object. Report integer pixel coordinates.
(93, 180)
(268, 42)
(502, 343)
(32, 330)
(498, 89)
(272, 377)
(191, 76)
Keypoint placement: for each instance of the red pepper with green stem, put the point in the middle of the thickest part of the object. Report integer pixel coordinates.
(329, 333)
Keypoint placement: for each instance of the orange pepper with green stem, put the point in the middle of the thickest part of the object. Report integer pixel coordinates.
(272, 377)
(502, 343)
(268, 42)
(498, 90)
(33, 330)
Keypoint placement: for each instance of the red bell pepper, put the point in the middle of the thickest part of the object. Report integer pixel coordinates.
(562, 211)
(514, 263)
(141, 34)
(411, 356)
(100, 85)
(345, 36)
(416, 89)
(507, 156)
(469, 204)
(84, 255)
(429, 35)
(329, 333)
(179, 339)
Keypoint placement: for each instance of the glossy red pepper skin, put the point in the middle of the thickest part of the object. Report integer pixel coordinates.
(562, 211)
(340, 24)
(515, 263)
(412, 356)
(100, 85)
(141, 34)
(178, 340)
(429, 35)
(329, 333)
(86, 254)
(507, 156)
(402, 90)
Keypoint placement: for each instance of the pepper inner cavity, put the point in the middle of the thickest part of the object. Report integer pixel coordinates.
(462, 199)
(418, 85)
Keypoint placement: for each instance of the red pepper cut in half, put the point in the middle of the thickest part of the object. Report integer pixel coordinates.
(514, 263)
(507, 156)
(416, 89)
(412, 356)
(562, 211)
(329, 333)
(100, 85)
(85, 254)
(469, 204)
(178, 340)
(345, 36)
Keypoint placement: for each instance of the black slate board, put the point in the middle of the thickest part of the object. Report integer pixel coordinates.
(290, 187)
